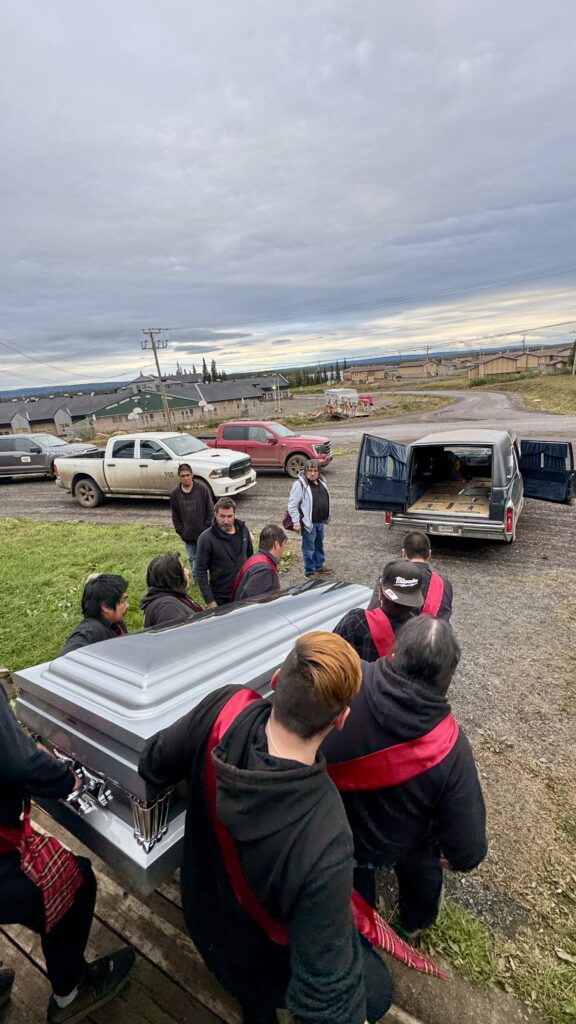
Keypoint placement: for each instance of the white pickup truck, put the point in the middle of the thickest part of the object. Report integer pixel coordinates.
(142, 465)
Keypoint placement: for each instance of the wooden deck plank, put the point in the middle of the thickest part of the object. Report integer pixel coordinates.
(155, 927)
(31, 988)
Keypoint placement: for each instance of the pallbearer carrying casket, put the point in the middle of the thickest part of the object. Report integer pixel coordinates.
(267, 867)
(407, 775)
(43, 886)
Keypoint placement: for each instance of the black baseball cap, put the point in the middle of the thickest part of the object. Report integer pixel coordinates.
(402, 583)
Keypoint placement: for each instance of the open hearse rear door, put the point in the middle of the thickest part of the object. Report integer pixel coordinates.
(547, 469)
(381, 477)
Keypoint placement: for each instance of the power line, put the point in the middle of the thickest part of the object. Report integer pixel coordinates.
(82, 376)
(295, 314)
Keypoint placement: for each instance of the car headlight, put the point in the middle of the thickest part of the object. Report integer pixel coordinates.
(216, 473)
(318, 449)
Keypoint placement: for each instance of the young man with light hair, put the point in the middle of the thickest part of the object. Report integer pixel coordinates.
(267, 867)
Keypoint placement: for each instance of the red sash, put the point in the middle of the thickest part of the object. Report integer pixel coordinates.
(397, 764)
(368, 922)
(254, 560)
(381, 631)
(434, 596)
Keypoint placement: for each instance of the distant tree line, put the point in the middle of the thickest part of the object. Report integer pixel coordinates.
(307, 376)
(297, 377)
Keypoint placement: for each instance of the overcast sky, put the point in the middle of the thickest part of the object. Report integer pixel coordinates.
(281, 182)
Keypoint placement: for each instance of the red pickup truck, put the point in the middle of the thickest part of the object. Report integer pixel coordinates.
(271, 445)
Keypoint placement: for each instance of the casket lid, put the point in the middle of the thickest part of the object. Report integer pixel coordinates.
(131, 687)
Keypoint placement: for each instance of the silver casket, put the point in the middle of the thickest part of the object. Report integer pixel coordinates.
(97, 706)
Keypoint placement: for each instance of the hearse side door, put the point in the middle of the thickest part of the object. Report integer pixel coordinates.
(547, 469)
(382, 475)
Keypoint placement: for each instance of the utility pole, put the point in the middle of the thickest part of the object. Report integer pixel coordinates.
(155, 346)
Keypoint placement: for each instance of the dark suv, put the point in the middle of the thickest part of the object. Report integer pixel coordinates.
(34, 454)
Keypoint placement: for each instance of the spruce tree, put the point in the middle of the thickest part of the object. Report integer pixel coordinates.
(205, 373)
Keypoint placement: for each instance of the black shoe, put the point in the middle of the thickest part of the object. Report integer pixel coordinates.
(6, 982)
(103, 979)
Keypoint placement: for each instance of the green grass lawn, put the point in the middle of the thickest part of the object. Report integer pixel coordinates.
(44, 568)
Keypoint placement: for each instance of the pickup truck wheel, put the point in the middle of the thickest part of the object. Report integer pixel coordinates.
(295, 464)
(87, 493)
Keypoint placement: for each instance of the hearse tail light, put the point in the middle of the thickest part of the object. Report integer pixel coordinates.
(509, 520)
(388, 518)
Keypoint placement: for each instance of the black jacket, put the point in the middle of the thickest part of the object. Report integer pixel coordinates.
(259, 579)
(219, 557)
(191, 513)
(25, 770)
(445, 609)
(91, 631)
(444, 803)
(161, 607)
(295, 850)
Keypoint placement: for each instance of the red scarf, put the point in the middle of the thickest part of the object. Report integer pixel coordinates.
(53, 869)
(367, 920)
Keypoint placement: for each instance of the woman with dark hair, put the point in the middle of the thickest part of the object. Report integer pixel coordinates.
(166, 600)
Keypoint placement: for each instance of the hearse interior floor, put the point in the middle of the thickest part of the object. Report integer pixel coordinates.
(454, 497)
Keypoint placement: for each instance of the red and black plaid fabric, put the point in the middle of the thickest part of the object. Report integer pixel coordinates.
(379, 933)
(47, 864)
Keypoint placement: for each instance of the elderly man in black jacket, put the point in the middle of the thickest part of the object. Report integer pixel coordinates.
(61, 913)
(406, 773)
(221, 552)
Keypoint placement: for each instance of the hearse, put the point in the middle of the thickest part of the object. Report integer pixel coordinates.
(466, 483)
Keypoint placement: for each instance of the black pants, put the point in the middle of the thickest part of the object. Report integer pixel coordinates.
(419, 875)
(64, 946)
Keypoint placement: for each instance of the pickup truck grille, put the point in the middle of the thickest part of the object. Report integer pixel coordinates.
(240, 468)
(323, 449)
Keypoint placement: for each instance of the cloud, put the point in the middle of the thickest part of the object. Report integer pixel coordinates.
(248, 172)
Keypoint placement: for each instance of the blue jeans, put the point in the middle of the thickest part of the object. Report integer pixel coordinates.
(191, 552)
(313, 548)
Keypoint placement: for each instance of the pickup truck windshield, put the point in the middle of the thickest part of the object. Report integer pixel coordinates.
(280, 430)
(184, 444)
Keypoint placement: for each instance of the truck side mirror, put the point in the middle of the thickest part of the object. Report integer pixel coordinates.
(272, 440)
(160, 456)
(35, 450)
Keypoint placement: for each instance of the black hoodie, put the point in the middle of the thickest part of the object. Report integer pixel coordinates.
(444, 803)
(25, 770)
(162, 607)
(295, 850)
(219, 558)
